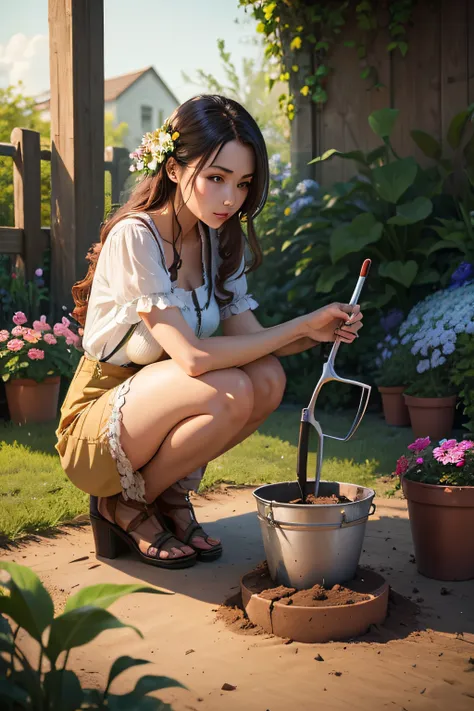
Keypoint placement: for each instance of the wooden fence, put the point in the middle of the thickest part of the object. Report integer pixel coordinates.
(430, 85)
(27, 238)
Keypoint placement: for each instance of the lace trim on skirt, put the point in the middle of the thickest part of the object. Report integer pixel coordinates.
(133, 484)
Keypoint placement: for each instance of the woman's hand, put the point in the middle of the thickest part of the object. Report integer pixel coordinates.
(335, 320)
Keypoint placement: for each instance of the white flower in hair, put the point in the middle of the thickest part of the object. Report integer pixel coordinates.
(153, 150)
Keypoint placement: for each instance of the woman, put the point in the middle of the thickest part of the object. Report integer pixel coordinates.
(155, 397)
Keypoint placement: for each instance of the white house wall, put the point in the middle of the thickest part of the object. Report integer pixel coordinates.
(146, 91)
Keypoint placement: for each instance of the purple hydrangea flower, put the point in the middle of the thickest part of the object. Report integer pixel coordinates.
(392, 320)
(464, 273)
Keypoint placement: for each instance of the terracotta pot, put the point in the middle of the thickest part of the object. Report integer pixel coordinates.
(395, 409)
(431, 416)
(442, 527)
(29, 401)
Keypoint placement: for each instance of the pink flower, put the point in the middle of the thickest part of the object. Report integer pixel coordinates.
(32, 336)
(71, 338)
(420, 444)
(19, 318)
(65, 322)
(49, 338)
(450, 452)
(402, 465)
(58, 329)
(4, 336)
(465, 445)
(15, 344)
(39, 272)
(41, 325)
(420, 460)
(36, 354)
(18, 331)
(461, 463)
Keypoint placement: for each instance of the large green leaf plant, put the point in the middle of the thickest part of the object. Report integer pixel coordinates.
(46, 684)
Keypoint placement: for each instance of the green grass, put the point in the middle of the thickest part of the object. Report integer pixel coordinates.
(35, 494)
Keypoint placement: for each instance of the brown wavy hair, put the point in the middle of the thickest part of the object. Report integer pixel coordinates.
(205, 123)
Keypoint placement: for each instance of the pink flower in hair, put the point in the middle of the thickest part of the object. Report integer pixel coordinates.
(15, 344)
(36, 354)
(19, 318)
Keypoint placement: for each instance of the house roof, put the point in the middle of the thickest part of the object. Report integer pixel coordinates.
(116, 86)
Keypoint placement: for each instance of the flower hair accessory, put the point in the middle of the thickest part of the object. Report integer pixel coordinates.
(154, 149)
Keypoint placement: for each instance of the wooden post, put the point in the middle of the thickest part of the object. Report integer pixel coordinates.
(304, 138)
(27, 196)
(77, 132)
(118, 162)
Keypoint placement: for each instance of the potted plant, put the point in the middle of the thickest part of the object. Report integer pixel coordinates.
(32, 361)
(396, 369)
(431, 332)
(438, 483)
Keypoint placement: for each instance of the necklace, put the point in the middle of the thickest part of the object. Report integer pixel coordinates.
(177, 261)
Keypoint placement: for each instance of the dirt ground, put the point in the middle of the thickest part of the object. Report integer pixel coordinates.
(423, 658)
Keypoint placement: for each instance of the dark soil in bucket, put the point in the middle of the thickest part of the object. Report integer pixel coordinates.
(321, 500)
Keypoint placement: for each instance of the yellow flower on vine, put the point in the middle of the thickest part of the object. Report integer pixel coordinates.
(295, 68)
(268, 10)
(291, 107)
(295, 43)
(284, 76)
(260, 27)
(300, 28)
(287, 211)
(304, 90)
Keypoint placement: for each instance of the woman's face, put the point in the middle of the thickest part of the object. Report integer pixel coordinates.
(222, 185)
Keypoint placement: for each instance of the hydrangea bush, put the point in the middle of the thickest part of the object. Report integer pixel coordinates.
(39, 351)
(431, 331)
(449, 463)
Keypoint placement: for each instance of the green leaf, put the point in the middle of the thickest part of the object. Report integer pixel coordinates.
(286, 244)
(456, 128)
(63, 690)
(392, 180)
(363, 230)
(402, 272)
(78, 627)
(403, 47)
(411, 212)
(9, 692)
(29, 604)
(378, 302)
(377, 154)
(351, 155)
(391, 46)
(330, 276)
(382, 122)
(317, 224)
(426, 143)
(122, 664)
(147, 684)
(427, 276)
(104, 594)
(437, 246)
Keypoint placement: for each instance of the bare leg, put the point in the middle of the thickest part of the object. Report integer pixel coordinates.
(172, 423)
(268, 382)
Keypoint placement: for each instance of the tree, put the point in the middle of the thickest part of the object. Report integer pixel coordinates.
(252, 92)
(114, 135)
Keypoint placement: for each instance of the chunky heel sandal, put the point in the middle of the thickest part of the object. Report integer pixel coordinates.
(110, 539)
(194, 530)
(107, 543)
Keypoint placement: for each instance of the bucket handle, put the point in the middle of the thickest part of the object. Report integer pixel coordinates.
(270, 519)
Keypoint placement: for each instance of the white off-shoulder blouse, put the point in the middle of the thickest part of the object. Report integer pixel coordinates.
(130, 277)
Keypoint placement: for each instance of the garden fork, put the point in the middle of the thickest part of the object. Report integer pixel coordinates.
(307, 416)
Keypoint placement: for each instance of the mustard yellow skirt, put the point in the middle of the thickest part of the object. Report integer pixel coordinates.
(88, 434)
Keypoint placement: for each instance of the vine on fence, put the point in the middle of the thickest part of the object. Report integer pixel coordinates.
(295, 26)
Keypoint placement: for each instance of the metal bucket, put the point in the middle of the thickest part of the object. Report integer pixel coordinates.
(308, 544)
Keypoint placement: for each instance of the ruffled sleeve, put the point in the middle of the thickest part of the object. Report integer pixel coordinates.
(241, 301)
(136, 275)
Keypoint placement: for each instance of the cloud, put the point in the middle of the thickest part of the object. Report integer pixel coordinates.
(25, 59)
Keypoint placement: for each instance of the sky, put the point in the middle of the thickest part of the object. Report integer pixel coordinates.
(172, 36)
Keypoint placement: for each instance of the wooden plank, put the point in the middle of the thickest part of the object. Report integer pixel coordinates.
(416, 81)
(7, 150)
(27, 196)
(454, 61)
(470, 44)
(302, 142)
(77, 131)
(11, 240)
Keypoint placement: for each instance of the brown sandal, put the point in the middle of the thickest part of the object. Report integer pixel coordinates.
(110, 539)
(194, 529)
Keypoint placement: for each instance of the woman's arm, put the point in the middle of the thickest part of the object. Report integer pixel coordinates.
(247, 322)
(198, 356)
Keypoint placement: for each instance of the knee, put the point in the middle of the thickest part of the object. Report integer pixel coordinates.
(234, 394)
(269, 382)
